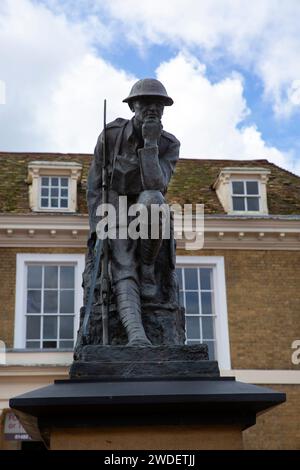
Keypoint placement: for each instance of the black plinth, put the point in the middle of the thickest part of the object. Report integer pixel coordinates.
(154, 362)
(88, 403)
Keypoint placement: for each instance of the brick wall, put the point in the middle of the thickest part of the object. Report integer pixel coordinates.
(278, 428)
(7, 295)
(8, 286)
(263, 300)
(263, 297)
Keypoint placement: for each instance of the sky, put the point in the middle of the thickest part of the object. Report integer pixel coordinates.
(231, 66)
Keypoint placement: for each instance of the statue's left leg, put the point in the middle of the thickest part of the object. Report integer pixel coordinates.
(126, 289)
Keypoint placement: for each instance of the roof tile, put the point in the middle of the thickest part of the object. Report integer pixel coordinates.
(191, 183)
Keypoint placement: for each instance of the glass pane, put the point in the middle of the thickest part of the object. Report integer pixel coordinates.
(45, 181)
(67, 277)
(54, 192)
(179, 277)
(64, 203)
(64, 192)
(33, 344)
(54, 202)
(49, 344)
(206, 303)
(193, 327)
(208, 328)
(66, 344)
(252, 203)
(66, 330)
(33, 327)
(34, 277)
(51, 275)
(192, 302)
(191, 278)
(66, 301)
(205, 278)
(44, 203)
(237, 187)
(45, 192)
(252, 187)
(54, 181)
(34, 301)
(211, 350)
(193, 341)
(50, 327)
(238, 203)
(64, 181)
(50, 301)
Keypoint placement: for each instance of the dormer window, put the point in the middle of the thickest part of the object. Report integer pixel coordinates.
(243, 190)
(53, 186)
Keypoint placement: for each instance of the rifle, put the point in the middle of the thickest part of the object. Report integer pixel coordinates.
(101, 253)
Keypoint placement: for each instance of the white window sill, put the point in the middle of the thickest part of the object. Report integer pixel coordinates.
(53, 209)
(253, 213)
(30, 357)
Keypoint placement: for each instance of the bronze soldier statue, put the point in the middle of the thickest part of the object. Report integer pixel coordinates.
(141, 158)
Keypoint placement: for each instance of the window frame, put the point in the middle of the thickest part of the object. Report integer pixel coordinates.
(199, 315)
(222, 349)
(22, 260)
(245, 195)
(49, 208)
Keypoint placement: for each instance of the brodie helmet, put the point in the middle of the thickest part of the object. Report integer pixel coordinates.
(149, 87)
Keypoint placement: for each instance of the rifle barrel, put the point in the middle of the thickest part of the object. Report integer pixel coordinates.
(105, 291)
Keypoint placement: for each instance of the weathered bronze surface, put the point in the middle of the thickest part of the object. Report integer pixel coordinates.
(143, 302)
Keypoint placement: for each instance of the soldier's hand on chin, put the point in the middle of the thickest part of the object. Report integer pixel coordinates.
(151, 130)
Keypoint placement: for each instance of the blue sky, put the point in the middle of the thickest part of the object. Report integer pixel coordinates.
(231, 67)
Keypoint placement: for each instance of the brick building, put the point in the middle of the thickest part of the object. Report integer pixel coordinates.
(241, 290)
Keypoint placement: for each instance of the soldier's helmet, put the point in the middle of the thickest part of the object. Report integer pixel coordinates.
(149, 87)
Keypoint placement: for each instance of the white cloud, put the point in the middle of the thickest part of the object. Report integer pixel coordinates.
(294, 92)
(262, 35)
(207, 117)
(75, 113)
(2, 92)
(56, 83)
(38, 51)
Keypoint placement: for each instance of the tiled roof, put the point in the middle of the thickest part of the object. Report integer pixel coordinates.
(14, 171)
(194, 179)
(191, 183)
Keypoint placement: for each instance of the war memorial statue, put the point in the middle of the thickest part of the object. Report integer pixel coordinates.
(133, 383)
(130, 285)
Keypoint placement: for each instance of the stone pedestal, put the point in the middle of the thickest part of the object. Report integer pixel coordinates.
(144, 362)
(148, 437)
(137, 414)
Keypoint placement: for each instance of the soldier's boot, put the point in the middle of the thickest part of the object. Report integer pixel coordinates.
(129, 309)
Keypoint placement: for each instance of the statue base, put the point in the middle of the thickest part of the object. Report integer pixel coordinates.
(151, 438)
(166, 414)
(144, 362)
